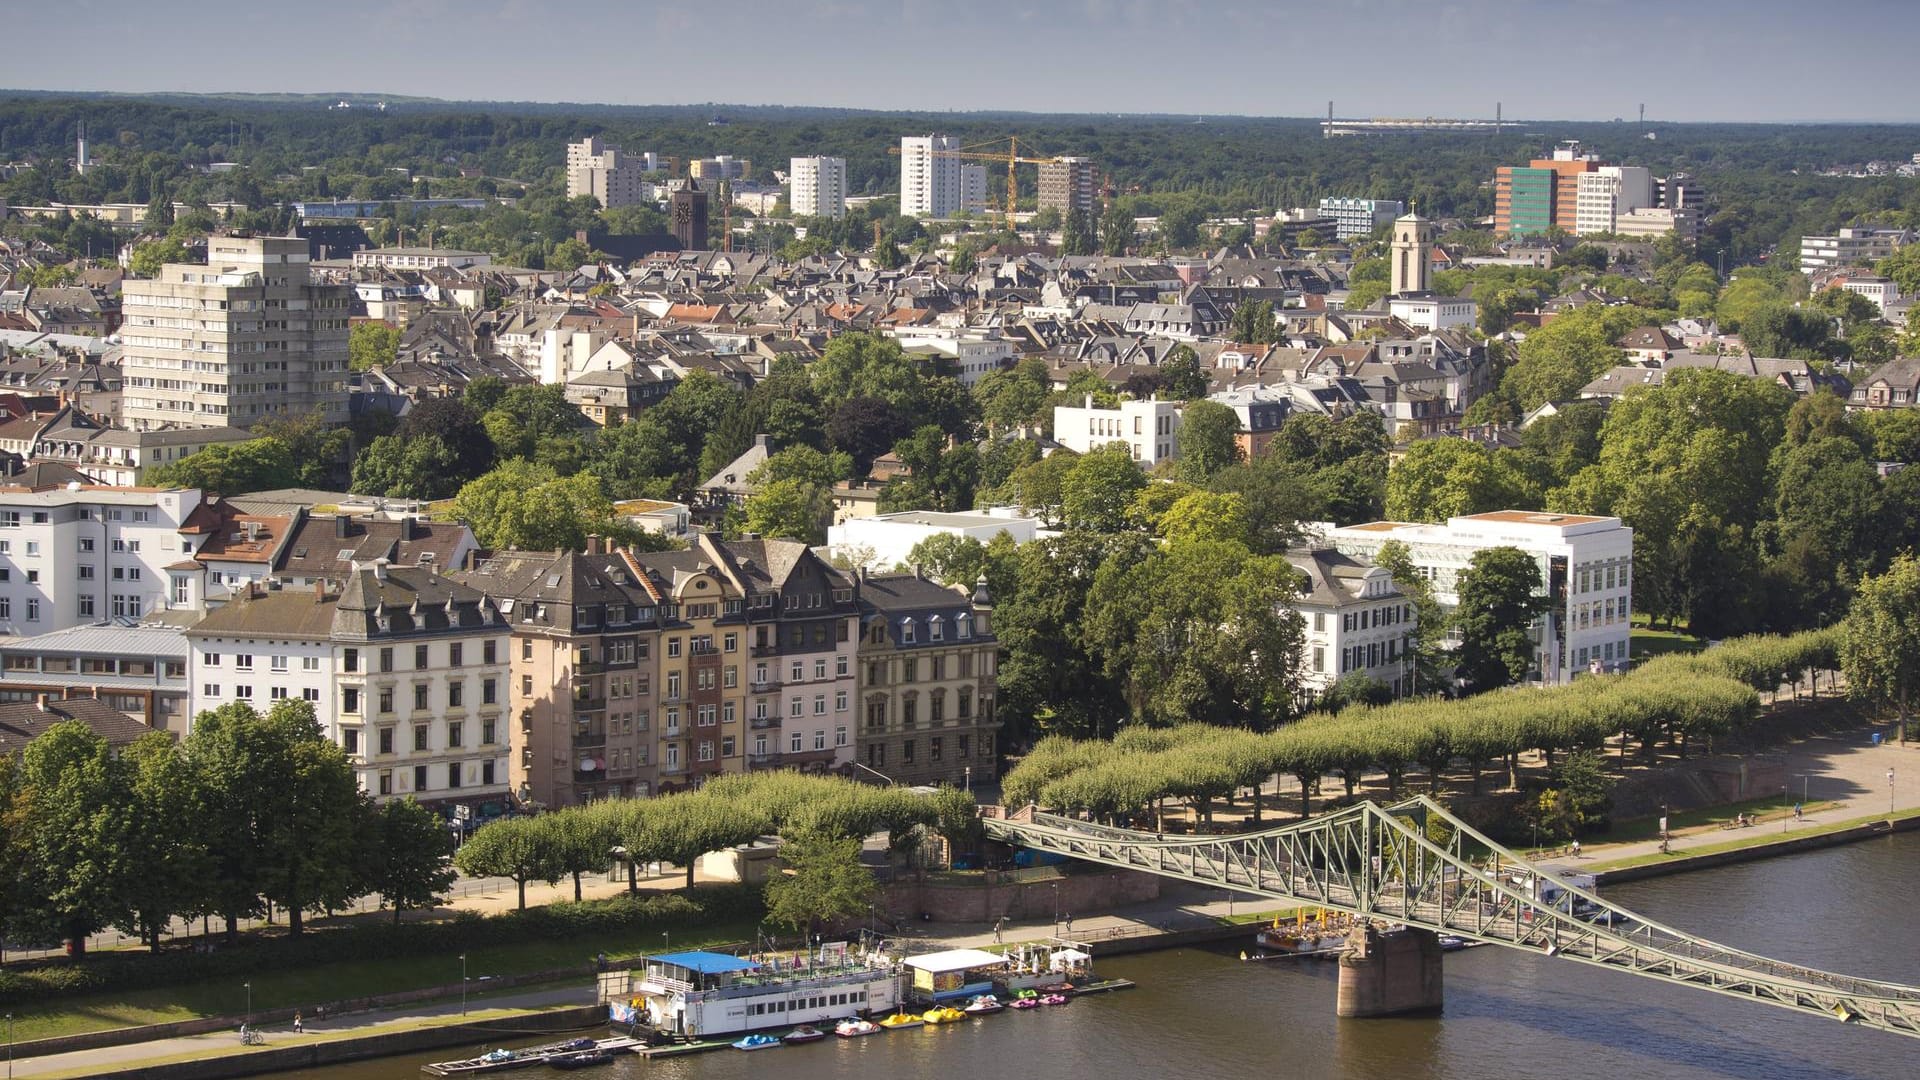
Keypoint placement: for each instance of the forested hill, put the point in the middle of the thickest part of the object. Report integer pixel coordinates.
(1756, 176)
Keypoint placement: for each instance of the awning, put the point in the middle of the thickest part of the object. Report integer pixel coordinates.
(955, 960)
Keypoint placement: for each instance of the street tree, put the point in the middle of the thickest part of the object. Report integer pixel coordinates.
(73, 815)
(163, 830)
(1880, 639)
(512, 848)
(1098, 487)
(409, 864)
(1499, 600)
(1208, 439)
(823, 881)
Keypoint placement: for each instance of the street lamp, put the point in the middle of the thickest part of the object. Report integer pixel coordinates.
(249, 989)
(9, 1046)
(667, 937)
(463, 984)
(1889, 793)
(1053, 891)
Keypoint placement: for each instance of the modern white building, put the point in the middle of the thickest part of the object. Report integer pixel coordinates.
(1882, 291)
(406, 669)
(77, 555)
(610, 176)
(886, 541)
(819, 187)
(973, 189)
(930, 181)
(1430, 312)
(242, 338)
(1356, 621)
(1647, 221)
(1148, 428)
(976, 352)
(1608, 192)
(1359, 217)
(1586, 566)
(1851, 247)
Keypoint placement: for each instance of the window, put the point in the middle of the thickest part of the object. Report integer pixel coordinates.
(86, 606)
(489, 693)
(526, 649)
(726, 746)
(798, 671)
(906, 752)
(526, 686)
(456, 732)
(243, 661)
(211, 689)
(731, 677)
(840, 701)
(386, 740)
(489, 653)
(453, 774)
(706, 749)
(820, 668)
(936, 629)
(673, 647)
(794, 743)
(456, 692)
(419, 778)
(840, 735)
(819, 704)
(796, 707)
(350, 700)
(277, 663)
(244, 690)
(386, 660)
(487, 732)
(840, 666)
(933, 748)
(453, 654)
(820, 739)
(420, 697)
(277, 692)
(730, 642)
(419, 738)
(906, 631)
(419, 657)
(386, 699)
(386, 781)
(211, 659)
(350, 660)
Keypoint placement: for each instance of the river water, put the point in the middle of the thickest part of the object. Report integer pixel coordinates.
(1508, 1016)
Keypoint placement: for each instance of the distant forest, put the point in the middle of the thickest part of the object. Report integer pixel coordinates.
(1757, 178)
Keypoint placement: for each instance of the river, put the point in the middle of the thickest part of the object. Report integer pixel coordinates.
(1508, 1016)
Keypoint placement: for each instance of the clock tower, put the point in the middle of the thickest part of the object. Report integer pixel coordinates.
(688, 208)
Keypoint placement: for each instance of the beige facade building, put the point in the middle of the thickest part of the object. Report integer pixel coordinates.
(602, 171)
(1069, 184)
(927, 683)
(245, 337)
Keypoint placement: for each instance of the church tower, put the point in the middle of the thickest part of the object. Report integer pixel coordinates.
(1412, 254)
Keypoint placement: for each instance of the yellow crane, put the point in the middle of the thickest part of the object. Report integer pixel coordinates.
(1011, 156)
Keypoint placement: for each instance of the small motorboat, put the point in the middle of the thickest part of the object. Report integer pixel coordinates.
(1025, 992)
(1055, 999)
(1606, 918)
(901, 1020)
(984, 1005)
(1025, 1003)
(1452, 943)
(942, 1014)
(855, 1028)
(757, 1042)
(581, 1059)
(805, 1033)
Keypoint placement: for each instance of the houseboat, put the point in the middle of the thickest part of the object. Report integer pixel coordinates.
(960, 974)
(706, 994)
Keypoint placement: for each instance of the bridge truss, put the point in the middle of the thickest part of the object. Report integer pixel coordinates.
(1414, 863)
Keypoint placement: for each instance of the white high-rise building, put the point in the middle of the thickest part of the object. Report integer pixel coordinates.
(610, 176)
(930, 179)
(973, 188)
(245, 337)
(1608, 193)
(819, 186)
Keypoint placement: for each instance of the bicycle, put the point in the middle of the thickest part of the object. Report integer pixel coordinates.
(251, 1037)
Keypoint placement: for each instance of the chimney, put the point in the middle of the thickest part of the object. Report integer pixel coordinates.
(594, 545)
(40, 702)
(380, 570)
(340, 523)
(319, 590)
(407, 528)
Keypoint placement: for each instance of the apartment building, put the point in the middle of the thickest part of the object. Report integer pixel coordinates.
(1355, 620)
(719, 167)
(930, 182)
(1358, 218)
(608, 175)
(419, 258)
(77, 555)
(927, 658)
(244, 337)
(1149, 428)
(1068, 184)
(1586, 570)
(1850, 247)
(1541, 195)
(406, 669)
(819, 187)
(973, 189)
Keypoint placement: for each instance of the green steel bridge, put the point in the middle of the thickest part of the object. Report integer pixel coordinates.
(1414, 864)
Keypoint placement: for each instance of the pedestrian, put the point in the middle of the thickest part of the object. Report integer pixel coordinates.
(1069, 922)
(297, 1029)
(1796, 812)
(1576, 849)
(997, 924)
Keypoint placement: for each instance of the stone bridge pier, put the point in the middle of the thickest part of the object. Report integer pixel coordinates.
(1390, 974)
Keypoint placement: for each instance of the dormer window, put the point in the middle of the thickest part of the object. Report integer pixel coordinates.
(963, 625)
(936, 629)
(906, 631)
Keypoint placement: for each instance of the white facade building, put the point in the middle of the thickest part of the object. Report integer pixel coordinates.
(1586, 565)
(819, 187)
(1430, 312)
(1356, 621)
(930, 182)
(1149, 428)
(973, 188)
(1607, 193)
(886, 541)
(78, 555)
(1359, 217)
(976, 352)
(1850, 247)
(610, 176)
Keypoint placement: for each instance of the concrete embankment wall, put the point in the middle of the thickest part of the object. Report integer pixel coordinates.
(1788, 845)
(273, 1059)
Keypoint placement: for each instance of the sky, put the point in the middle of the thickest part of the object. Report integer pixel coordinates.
(1726, 60)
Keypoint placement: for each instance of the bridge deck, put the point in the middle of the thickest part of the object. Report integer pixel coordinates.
(1410, 863)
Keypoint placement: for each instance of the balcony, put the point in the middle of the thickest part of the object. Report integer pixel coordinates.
(766, 686)
(583, 669)
(763, 723)
(764, 650)
(762, 761)
(590, 704)
(673, 732)
(589, 742)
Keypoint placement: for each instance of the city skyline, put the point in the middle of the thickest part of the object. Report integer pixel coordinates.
(1076, 56)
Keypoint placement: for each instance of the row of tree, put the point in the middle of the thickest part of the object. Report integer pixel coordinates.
(249, 812)
(1681, 699)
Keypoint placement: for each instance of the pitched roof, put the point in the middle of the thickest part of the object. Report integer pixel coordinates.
(21, 722)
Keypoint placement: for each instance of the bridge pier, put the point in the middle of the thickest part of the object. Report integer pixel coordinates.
(1390, 974)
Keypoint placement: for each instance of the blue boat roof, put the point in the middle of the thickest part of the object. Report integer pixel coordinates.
(706, 963)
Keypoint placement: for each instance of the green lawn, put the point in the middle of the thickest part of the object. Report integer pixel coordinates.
(336, 982)
(1767, 808)
(1647, 641)
(1748, 838)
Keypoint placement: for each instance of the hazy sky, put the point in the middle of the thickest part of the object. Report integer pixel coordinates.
(1758, 60)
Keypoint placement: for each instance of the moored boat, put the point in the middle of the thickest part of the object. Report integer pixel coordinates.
(901, 1020)
(943, 1014)
(1025, 1003)
(805, 1033)
(984, 1005)
(757, 1042)
(1055, 999)
(855, 1028)
(581, 1059)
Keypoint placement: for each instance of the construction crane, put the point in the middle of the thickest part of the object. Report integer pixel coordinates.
(1011, 156)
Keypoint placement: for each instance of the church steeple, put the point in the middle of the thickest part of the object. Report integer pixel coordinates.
(1412, 254)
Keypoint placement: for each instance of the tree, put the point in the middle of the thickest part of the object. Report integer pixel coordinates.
(1049, 677)
(950, 558)
(370, 343)
(582, 840)
(1116, 230)
(232, 468)
(791, 509)
(163, 829)
(1208, 440)
(456, 423)
(1568, 353)
(148, 258)
(863, 365)
(1429, 621)
(403, 467)
(1180, 375)
(528, 418)
(1253, 323)
(409, 864)
(940, 476)
(525, 506)
(512, 848)
(1013, 396)
(865, 428)
(73, 814)
(823, 881)
(1098, 487)
(1205, 515)
(1880, 639)
(1446, 477)
(1499, 600)
(1577, 796)
(318, 449)
(309, 800)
